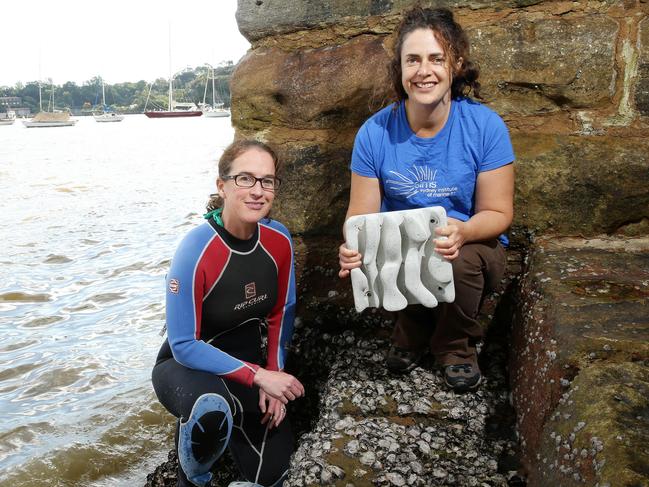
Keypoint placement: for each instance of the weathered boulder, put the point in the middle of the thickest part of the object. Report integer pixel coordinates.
(533, 66)
(599, 431)
(578, 370)
(329, 87)
(259, 19)
(575, 185)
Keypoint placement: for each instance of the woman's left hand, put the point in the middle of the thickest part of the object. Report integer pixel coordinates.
(273, 409)
(455, 233)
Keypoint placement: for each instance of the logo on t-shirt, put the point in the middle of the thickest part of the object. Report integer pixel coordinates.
(250, 290)
(418, 180)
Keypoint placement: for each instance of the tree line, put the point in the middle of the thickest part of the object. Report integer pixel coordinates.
(129, 97)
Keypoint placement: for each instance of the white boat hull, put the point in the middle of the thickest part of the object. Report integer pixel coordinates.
(216, 113)
(7, 122)
(109, 117)
(33, 124)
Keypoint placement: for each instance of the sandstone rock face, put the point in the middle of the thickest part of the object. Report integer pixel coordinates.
(579, 365)
(317, 89)
(258, 19)
(570, 79)
(308, 105)
(533, 66)
(580, 185)
(597, 431)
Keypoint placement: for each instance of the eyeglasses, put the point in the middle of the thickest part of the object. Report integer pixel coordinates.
(269, 183)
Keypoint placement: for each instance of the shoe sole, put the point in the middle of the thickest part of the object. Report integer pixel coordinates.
(464, 389)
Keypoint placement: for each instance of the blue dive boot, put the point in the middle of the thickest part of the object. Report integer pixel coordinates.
(203, 437)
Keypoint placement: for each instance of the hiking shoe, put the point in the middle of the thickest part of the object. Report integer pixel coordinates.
(401, 360)
(462, 377)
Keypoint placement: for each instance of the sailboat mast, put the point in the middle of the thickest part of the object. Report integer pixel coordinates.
(103, 93)
(213, 100)
(40, 77)
(170, 79)
(205, 91)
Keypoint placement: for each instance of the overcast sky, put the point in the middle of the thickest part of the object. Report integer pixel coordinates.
(121, 40)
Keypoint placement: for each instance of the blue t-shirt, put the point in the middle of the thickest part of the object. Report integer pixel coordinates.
(418, 172)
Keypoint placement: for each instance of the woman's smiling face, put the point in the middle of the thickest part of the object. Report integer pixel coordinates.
(425, 68)
(248, 205)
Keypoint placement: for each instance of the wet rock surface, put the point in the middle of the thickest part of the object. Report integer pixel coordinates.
(580, 365)
(377, 428)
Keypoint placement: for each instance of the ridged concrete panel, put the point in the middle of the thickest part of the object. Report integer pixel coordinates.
(400, 266)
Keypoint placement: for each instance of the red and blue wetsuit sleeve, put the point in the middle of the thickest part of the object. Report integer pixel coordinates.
(276, 240)
(197, 264)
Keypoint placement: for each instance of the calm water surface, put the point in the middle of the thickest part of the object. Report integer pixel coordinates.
(91, 216)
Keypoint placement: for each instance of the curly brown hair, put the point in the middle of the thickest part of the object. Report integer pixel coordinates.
(453, 40)
(231, 152)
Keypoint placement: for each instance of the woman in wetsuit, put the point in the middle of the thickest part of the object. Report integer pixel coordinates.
(230, 277)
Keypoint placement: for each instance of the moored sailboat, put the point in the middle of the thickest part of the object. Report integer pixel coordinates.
(216, 109)
(49, 119)
(177, 110)
(174, 109)
(107, 114)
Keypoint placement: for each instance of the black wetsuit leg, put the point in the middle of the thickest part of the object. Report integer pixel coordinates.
(262, 456)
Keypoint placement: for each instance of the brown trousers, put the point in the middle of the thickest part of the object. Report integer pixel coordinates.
(451, 330)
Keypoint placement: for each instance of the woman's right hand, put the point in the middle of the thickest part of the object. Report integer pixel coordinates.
(280, 385)
(348, 260)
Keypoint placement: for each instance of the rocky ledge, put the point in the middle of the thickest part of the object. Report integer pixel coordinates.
(580, 362)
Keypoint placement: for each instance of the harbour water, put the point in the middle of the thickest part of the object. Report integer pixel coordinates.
(91, 216)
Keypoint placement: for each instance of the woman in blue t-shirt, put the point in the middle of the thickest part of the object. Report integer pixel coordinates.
(435, 146)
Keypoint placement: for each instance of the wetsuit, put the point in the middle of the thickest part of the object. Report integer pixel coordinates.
(220, 292)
